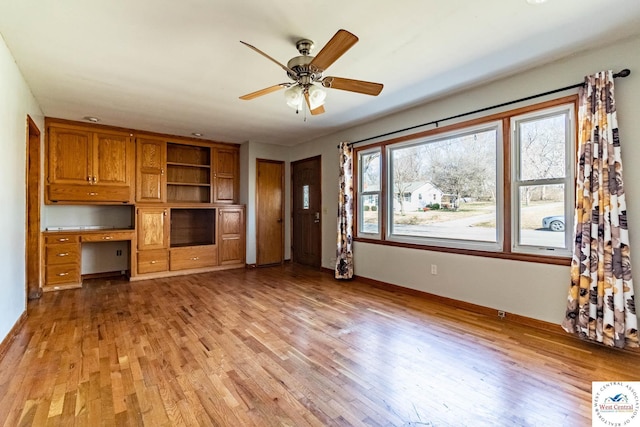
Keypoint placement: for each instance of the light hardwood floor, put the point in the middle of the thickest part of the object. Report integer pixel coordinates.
(288, 346)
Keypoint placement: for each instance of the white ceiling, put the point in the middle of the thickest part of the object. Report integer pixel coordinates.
(177, 66)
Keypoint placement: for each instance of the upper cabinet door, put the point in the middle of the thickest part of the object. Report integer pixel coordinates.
(87, 165)
(113, 159)
(151, 180)
(225, 175)
(69, 157)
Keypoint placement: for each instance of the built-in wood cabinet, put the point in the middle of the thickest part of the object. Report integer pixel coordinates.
(193, 238)
(199, 239)
(152, 227)
(225, 175)
(151, 179)
(188, 173)
(231, 232)
(61, 262)
(88, 165)
(185, 192)
(62, 255)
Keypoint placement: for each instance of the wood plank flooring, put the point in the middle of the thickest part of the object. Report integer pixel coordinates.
(288, 346)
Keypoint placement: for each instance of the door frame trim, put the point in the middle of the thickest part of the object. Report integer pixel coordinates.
(32, 213)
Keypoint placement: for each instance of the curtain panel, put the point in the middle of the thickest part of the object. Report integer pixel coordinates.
(344, 252)
(601, 304)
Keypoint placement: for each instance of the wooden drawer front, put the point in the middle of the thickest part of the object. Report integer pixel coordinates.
(107, 236)
(153, 261)
(61, 238)
(89, 193)
(64, 273)
(63, 253)
(193, 257)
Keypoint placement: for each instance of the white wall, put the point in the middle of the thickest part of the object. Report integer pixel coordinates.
(16, 102)
(529, 289)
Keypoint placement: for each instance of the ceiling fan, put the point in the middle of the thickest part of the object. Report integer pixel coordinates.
(305, 71)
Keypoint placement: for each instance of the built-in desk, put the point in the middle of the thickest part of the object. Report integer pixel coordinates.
(63, 253)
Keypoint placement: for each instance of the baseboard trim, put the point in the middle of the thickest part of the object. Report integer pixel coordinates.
(6, 343)
(541, 325)
(463, 305)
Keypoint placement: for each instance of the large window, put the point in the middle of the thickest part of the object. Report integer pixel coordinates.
(503, 185)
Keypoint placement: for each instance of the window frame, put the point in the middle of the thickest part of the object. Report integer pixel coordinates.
(506, 209)
(361, 194)
(491, 246)
(568, 180)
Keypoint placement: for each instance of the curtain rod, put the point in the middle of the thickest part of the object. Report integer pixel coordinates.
(623, 73)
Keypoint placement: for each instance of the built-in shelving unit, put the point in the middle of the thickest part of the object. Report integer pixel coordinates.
(188, 173)
(192, 227)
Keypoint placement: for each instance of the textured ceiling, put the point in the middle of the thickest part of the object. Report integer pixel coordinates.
(178, 67)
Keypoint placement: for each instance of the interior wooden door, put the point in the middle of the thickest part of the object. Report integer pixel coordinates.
(307, 202)
(269, 212)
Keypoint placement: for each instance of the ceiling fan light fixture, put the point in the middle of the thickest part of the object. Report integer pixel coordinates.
(294, 97)
(316, 97)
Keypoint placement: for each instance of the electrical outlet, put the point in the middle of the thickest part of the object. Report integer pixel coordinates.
(501, 314)
(434, 269)
(119, 252)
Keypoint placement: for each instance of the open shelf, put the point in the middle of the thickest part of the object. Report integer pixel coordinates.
(188, 173)
(192, 227)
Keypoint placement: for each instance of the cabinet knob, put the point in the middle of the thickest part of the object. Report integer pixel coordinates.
(195, 258)
(64, 254)
(92, 193)
(153, 261)
(63, 239)
(107, 238)
(63, 274)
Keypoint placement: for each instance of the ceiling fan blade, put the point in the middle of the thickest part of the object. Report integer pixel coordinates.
(284, 67)
(315, 111)
(334, 49)
(359, 86)
(264, 91)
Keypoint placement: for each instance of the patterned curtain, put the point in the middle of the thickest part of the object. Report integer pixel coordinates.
(344, 252)
(601, 303)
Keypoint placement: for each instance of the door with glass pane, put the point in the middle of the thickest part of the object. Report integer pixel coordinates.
(306, 208)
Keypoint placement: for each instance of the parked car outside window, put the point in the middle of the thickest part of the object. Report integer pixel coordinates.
(553, 223)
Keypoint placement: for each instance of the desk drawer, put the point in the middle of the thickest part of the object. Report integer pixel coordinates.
(193, 257)
(64, 273)
(89, 193)
(108, 236)
(61, 238)
(153, 261)
(64, 253)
